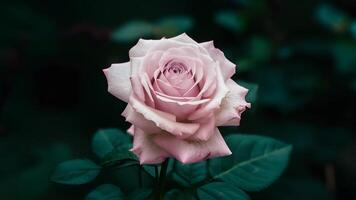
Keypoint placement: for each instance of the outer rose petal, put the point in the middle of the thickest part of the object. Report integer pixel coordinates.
(184, 38)
(131, 130)
(144, 46)
(190, 151)
(139, 121)
(118, 78)
(180, 111)
(181, 130)
(232, 106)
(227, 67)
(206, 130)
(147, 151)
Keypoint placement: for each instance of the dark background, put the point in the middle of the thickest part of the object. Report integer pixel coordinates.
(297, 57)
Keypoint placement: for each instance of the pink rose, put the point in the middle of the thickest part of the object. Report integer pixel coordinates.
(178, 91)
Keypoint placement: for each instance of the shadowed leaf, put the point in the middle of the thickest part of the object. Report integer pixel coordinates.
(75, 172)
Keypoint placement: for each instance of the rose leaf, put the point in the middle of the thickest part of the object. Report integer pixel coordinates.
(221, 191)
(75, 172)
(106, 192)
(255, 163)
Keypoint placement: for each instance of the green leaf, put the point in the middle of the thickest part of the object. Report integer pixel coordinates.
(112, 146)
(132, 31)
(75, 172)
(106, 192)
(255, 163)
(171, 26)
(189, 174)
(106, 141)
(221, 191)
(231, 20)
(140, 194)
(120, 159)
(176, 194)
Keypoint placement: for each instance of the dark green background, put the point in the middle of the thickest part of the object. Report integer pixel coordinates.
(301, 54)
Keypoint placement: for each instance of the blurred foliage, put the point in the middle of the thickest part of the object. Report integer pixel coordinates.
(166, 27)
(299, 54)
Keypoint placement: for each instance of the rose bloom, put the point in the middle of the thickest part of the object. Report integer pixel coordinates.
(177, 92)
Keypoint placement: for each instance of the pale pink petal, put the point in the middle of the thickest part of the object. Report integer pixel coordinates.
(174, 108)
(227, 67)
(190, 151)
(178, 129)
(137, 88)
(141, 48)
(209, 79)
(150, 62)
(166, 87)
(147, 151)
(184, 38)
(206, 130)
(187, 88)
(198, 74)
(232, 106)
(131, 130)
(189, 53)
(137, 66)
(215, 102)
(144, 46)
(146, 84)
(210, 91)
(181, 100)
(139, 121)
(118, 79)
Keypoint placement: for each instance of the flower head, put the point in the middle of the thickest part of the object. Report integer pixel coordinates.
(178, 91)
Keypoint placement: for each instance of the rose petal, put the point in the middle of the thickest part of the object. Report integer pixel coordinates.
(227, 67)
(186, 53)
(215, 102)
(139, 120)
(147, 151)
(181, 101)
(166, 87)
(232, 106)
(190, 151)
(131, 130)
(118, 79)
(209, 79)
(137, 66)
(206, 130)
(178, 129)
(144, 46)
(137, 87)
(198, 75)
(147, 86)
(184, 38)
(150, 62)
(172, 107)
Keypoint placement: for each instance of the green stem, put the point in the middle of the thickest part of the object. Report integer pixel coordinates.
(140, 176)
(161, 181)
